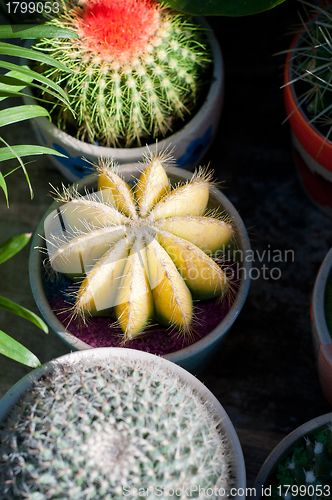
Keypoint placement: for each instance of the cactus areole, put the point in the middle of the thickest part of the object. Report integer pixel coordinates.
(141, 253)
(136, 69)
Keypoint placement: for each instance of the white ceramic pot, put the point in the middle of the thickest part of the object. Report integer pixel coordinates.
(159, 366)
(193, 358)
(283, 449)
(321, 336)
(190, 143)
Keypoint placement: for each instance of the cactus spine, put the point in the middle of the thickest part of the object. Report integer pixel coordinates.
(136, 68)
(144, 252)
(105, 432)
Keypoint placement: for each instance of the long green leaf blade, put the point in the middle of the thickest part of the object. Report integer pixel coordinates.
(5, 94)
(20, 113)
(35, 31)
(14, 350)
(13, 81)
(5, 174)
(231, 8)
(3, 186)
(26, 150)
(22, 166)
(48, 92)
(36, 76)
(11, 306)
(34, 55)
(13, 245)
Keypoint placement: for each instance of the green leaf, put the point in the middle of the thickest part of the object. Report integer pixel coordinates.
(35, 31)
(11, 306)
(13, 245)
(49, 92)
(13, 169)
(14, 81)
(3, 186)
(9, 153)
(5, 94)
(19, 113)
(234, 8)
(8, 172)
(13, 78)
(14, 350)
(21, 163)
(14, 50)
(24, 70)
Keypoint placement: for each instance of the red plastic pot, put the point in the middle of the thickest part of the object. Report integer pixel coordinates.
(313, 153)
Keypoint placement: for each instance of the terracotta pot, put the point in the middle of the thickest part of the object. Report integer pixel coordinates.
(313, 153)
(195, 357)
(190, 143)
(283, 449)
(159, 366)
(321, 336)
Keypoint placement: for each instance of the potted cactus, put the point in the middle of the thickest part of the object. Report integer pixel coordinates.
(321, 324)
(149, 62)
(148, 255)
(308, 102)
(301, 464)
(140, 71)
(113, 424)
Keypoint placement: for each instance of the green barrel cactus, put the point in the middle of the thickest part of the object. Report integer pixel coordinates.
(136, 69)
(119, 429)
(142, 253)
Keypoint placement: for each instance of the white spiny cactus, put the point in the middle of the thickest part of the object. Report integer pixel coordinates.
(103, 432)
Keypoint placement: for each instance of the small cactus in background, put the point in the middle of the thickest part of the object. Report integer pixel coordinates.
(136, 68)
(143, 252)
(307, 471)
(111, 432)
(312, 68)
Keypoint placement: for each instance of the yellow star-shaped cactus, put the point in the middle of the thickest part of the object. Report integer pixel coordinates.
(143, 252)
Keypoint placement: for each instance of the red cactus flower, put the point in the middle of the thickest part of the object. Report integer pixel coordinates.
(118, 28)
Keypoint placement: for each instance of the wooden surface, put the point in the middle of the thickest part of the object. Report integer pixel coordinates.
(264, 374)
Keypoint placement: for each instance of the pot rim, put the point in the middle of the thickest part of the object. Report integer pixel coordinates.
(311, 139)
(35, 272)
(282, 449)
(122, 154)
(318, 317)
(107, 353)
